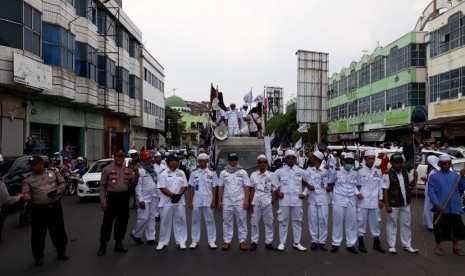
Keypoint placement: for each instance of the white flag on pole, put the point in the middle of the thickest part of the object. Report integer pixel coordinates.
(248, 97)
(298, 145)
(258, 99)
(303, 128)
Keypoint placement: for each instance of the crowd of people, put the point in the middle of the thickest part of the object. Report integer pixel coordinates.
(355, 193)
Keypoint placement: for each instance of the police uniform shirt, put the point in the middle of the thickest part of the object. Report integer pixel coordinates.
(233, 184)
(290, 180)
(345, 188)
(385, 183)
(318, 178)
(203, 181)
(146, 186)
(233, 116)
(369, 183)
(173, 181)
(264, 184)
(160, 168)
(40, 186)
(114, 179)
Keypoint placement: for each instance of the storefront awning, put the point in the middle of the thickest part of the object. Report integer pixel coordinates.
(443, 120)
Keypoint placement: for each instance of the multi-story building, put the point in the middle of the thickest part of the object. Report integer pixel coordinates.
(70, 73)
(374, 98)
(446, 75)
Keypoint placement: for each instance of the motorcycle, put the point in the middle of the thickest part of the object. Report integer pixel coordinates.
(71, 178)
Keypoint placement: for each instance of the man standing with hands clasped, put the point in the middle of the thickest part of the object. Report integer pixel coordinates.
(369, 202)
(172, 184)
(114, 202)
(203, 183)
(43, 188)
(441, 184)
(233, 196)
(292, 180)
(396, 184)
(264, 183)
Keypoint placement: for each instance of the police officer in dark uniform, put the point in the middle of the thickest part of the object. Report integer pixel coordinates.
(114, 202)
(43, 188)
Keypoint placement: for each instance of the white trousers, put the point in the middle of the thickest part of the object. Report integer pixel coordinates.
(344, 216)
(173, 216)
(427, 213)
(318, 222)
(266, 212)
(209, 221)
(295, 213)
(229, 212)
(401, 214)
(232, 131)
(372, 217)
(156, 201)
(146, 221)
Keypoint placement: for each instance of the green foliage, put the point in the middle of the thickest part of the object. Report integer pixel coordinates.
(171, 124)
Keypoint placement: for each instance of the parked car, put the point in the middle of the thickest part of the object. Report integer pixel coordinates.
(89, 185)
(423, 166)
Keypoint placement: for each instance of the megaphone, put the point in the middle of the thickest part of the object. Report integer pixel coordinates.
(221, 132)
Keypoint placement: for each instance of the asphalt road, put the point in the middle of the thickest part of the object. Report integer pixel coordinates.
(83, 220)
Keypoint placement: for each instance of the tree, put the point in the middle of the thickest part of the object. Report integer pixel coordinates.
(173, 125)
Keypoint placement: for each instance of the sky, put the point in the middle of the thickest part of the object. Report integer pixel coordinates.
(240, 45)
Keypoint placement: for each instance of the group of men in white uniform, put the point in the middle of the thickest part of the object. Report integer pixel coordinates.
(356, 195)
(233, 119)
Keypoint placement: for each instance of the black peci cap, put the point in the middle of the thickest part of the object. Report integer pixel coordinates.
(35, 159)
(233, 156)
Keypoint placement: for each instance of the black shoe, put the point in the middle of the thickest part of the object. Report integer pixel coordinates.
(102, 250)
(362, 248)
(314, 246)
(253, 246)
(136, 239)
(377, 245)
(322, 246)
(152, 242)
(119, 247)
(270, 246)
(62, 256)
(157, 218)
(334, 248)
(39, 262)
(352, 249)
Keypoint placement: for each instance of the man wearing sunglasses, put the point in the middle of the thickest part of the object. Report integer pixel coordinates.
(263, 184)
(396, 184)
(450, 225)
(292, 179)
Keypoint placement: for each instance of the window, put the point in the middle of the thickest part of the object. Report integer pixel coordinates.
(364, 75)
(343, 111)
(122, 38)
(86, 8)
(447, 85)
(343, 86)
(106, 71)
(377, 69)
(20, 26)
(333, 113)
(58, 46)
(353, 80)
(134, 49)
(353, 108)
(448, 37)
(105, 24)
(86, 61)
(134, 87)
(377, 102)
(122, 80)
(364, 106)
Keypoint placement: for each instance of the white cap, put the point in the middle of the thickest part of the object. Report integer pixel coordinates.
(343, 154)
(433, 161)
(444, 158)
(80, 158)
(318, 155)
(167, 153)
(370, 153)
(261, 156)
(202, 156)
(349, 155)
(132, 151)
(383, 151)
(280, 152)
(157, 154)
(290, 152)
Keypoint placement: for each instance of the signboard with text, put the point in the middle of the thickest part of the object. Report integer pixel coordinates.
(29, 72)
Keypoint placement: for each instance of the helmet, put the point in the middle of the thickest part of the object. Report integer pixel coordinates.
(145, 154)
(132, 151)
(80, 158)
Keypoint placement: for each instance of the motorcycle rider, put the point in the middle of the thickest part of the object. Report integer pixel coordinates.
(80, 166)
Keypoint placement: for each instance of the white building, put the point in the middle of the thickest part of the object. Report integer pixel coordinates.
(71, 71)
